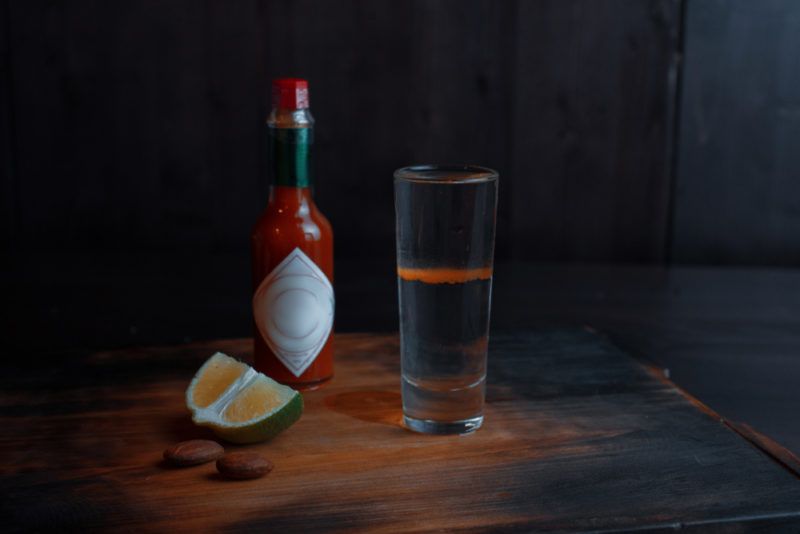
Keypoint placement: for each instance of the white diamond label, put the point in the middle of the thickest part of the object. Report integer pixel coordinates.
(293, 309)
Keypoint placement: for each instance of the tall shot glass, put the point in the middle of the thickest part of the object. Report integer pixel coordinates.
(445, 249)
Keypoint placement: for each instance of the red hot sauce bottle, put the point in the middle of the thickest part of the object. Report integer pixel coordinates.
(292, 253)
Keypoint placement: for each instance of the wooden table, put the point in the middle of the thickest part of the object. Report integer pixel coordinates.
(729, 336)
(579, 436)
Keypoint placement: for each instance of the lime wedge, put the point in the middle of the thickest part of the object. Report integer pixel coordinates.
(240, 404)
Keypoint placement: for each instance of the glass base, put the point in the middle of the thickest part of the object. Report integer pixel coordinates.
(426, 426)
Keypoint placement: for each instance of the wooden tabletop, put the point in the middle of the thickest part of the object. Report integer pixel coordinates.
(730, 336)
(578, 436)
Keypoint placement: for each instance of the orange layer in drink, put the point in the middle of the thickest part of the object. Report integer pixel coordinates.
(444, 275)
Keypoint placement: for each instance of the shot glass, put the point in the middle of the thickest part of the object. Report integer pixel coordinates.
(445, 217)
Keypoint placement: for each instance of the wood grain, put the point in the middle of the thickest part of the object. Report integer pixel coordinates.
(739, 131)
(768, 445)
(731, 337)
(581, 134)
(145, 120)
(8, 185)
(578, 436)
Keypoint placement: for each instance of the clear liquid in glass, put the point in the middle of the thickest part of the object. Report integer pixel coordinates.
(445, 232)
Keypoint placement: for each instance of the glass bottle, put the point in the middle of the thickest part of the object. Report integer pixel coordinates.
(292, 253)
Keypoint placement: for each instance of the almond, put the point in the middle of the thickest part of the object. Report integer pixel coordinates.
(193, 452)
(243, 465)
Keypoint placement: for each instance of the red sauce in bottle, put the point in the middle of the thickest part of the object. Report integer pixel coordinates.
(292, 254)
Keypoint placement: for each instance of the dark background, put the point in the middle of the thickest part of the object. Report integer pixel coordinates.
(657, 132)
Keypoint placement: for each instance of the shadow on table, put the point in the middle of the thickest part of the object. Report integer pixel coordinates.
(383, 407)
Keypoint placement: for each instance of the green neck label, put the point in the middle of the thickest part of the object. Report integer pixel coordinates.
(290, 152)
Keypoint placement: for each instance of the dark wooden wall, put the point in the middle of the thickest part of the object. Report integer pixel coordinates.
(138, 125)
(738, 182)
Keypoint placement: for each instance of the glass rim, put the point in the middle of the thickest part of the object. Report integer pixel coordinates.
(416, 174)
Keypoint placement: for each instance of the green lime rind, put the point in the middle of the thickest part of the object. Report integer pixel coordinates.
(260, 430)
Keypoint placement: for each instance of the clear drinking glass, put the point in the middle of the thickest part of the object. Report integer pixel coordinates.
(445, 250)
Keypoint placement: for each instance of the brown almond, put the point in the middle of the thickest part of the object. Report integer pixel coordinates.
(193, 452)
(243, 465)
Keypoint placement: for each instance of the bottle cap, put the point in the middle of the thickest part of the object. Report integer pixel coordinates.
(289, 93)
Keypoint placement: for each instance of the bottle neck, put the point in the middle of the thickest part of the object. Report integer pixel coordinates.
(291, 138)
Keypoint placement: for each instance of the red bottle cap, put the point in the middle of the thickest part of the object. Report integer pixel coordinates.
(289, 93)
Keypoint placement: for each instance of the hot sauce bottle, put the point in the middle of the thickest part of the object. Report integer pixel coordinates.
(292, 253)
